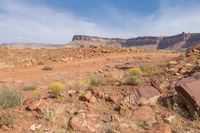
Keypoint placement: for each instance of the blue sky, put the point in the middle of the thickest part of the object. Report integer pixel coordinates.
(56, 21)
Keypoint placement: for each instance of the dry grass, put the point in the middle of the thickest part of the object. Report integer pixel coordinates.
(10, 98)
(118, 76)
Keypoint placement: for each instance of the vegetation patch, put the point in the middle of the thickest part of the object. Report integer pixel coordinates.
(10, 98)
(95, 80)
(134, 80)
(37, 94)
(136, 71)
(148, 70)
(56, 88)
(7, 119)
(118, 76)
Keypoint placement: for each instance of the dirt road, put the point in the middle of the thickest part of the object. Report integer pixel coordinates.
(82, 68)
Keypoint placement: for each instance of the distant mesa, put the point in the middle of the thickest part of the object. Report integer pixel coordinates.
(176, 42)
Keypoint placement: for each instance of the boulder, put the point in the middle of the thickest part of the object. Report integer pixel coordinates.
(35, 105)
(89, 97)
(145, 95)
(189, 92)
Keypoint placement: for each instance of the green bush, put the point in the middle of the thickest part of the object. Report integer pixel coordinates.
(134, 80)
(10, 98)
(136, 71)
(95, 79)
(56, 88)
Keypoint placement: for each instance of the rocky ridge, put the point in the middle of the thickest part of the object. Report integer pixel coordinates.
(176, 42)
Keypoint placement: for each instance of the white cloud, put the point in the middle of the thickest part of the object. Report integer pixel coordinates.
(23, 22)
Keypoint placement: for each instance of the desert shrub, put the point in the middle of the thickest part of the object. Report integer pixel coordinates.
(118, 76)
(78, 87)
(37, 94)
(10, 98)
(56, 88)
(29, 87)
(134, 80)
(6, 119)
(95, 79)
(172, 63)
(148, 70)
(85, 84)
(47, 68)
(73, 85)
(136, 71)
(49, 114)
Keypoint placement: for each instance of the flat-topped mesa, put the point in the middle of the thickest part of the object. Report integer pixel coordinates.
(176, 42)
(95, 39)
(142, 41)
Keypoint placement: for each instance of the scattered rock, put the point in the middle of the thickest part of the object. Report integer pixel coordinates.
(34, 105)
(143, 113)
(126, 128)
(85, 122)
(35, 127)
(195, 50)
(160, 128)
(71, 92)
(64, 59)
(92, 99)
(115, 98)
(87, 96)
(101, 94)
(170, 119)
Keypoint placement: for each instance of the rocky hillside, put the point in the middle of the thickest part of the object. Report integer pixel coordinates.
(176, 42)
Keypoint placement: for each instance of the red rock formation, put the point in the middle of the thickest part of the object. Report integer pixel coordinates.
(177, 42)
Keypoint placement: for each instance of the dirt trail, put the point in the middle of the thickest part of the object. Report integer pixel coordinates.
(81, 68)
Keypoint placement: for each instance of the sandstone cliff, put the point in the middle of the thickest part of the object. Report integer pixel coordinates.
(177, 42)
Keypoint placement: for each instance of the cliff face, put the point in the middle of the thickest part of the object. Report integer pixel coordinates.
(101, 40)
(180, 41)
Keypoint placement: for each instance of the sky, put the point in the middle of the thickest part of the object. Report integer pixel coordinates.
(56, 21)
